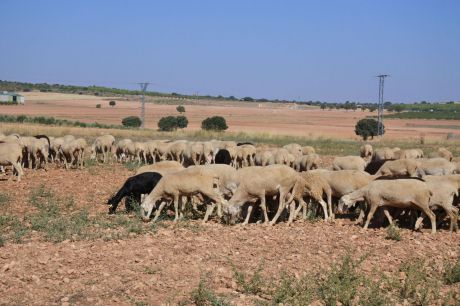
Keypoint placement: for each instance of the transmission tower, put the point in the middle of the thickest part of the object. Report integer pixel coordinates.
(380, 105)
(143, 89)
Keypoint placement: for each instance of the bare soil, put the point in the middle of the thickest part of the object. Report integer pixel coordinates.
(241, 116)
(165, 265)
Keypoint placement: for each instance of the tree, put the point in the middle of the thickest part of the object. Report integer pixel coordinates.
(323, 106)
(181, 122)
(168, 123)
(248, 99)
(216, 123)
(98, 106)
(180, 109)
(367, 128)
(112, 103)
(131, 121)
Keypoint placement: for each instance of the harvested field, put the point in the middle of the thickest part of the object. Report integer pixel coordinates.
(270, 118)
(133, 263)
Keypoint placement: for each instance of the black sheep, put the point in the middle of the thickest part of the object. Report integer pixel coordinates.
(133, 188)
(223, 157)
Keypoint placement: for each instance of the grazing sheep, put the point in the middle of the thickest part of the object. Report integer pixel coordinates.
(223, 157)
(176, 150)
(133, 188)
(55, 146)
(437, 166)
(102, 145)
(140, 151)
(162, 167)
(349, 163)
(121, 149)
(408, 154)
(401, 193)
(255, 183)
(400, 167)
(307, 162)
(11, 154)
(294, 148)
(444, 153)
(279, 157)
(366, 151)
(245, 155)
(444, 189)
(73, 152)
(308, 150)
(190, 181)
(315, 186)
(384, 154)
(263, 156)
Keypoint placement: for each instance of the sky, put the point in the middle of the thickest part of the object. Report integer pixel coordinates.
(326, 50)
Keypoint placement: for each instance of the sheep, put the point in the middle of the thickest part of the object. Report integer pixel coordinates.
(401, 193)
(256, 183)
(245, 155)
(308, 150)
(294, 148)
(121, 149)
(315, 186)
(400, 167)
(344, 182)
(102, 145)
(195, 151)
(366, 151)
(133, 188)
(161, 167)
(307, 162)
(444, 189)
(349, 163)
(223, 157)
(437, 166)
(263, 156)
(176, 151)
(279, 157)
(190, 181)
(74, 151)
(444, 153)
(11, 154)
(55, 146)
(384, 153)
(41, 148)
(408, 154)
(140, 152)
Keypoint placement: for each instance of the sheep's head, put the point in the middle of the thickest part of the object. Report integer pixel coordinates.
(347, 201)
(93, 152)
(146, 208)
(231, 213)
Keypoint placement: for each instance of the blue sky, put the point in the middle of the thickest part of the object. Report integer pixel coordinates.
(308, 50)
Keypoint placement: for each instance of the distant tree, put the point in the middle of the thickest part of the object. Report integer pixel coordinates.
(232, 98)
(131, 121)
(181, 122)
(323, 106)
(98, 106)
(248, 99)
(397, 108)
(168, 123)
(180, 109)
(112, 103)
(367, 128)
(216, 123)
(372, 108)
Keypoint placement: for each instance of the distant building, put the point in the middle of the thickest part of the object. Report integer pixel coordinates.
(11, 97)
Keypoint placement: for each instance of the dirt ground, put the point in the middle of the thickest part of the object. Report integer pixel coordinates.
(163, 266)
(241, 117)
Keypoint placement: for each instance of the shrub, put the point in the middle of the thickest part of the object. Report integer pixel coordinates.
(248, 99)
(21, 118)
(216, 123)
(180, 109)
(131, 121)
(98, 106)
(112, 103)
(168, 123)
(393, 232)
(181, 122)
(452, 273)
(367, 127)
(171, 123)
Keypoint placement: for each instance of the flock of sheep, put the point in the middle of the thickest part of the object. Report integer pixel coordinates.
(244, 181)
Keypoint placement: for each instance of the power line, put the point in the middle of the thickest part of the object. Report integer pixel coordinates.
(380, 105)
(143, 89)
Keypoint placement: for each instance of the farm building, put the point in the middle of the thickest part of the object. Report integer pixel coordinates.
(11, 97)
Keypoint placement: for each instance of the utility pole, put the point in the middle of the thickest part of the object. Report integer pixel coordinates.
(143, 89)
(380, 105)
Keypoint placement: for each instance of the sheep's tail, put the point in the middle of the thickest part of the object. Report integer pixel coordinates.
(47, 139)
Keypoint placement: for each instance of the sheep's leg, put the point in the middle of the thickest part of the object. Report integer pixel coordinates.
(329, 204)
(248, 215)
(158, 211)
(371, 213)
(387, 214)
(432, 217)
(17, 167)
(263, 205)
(324, 206)
(209, 211)
(281, 207)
